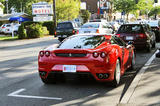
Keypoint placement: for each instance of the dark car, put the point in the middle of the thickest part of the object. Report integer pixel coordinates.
(65, 29)
(155, 25)
(140, 34)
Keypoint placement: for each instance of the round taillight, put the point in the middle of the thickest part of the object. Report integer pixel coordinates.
(41, 53)
(47, 53)
(103, 55)
(95, 54)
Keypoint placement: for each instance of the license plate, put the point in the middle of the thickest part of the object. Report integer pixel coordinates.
(69, 68)
(64, 36)
(86, 31)
(129, 38)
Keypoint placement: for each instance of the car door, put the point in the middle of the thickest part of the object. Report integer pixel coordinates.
(126, 52)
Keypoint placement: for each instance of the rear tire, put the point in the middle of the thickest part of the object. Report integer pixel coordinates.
(117, 74)
(154, 44)
(48, 80)
(133, 62)
(149, 48)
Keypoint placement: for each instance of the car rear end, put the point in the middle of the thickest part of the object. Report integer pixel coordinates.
(135, 33)
(64, 29)
(78, 61)
(91, 27)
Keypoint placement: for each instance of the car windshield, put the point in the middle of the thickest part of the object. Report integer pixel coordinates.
(130, 29)
(82, 42)
(64, 25)
(90, 26)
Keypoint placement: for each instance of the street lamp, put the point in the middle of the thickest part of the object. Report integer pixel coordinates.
(54, 14)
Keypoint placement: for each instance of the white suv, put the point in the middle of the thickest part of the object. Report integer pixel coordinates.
(7, 28)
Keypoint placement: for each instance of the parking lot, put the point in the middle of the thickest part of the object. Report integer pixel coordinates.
(20, 83)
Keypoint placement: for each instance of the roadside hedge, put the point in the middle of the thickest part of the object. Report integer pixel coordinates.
(35, 29)
(22, 32)
(50, 26)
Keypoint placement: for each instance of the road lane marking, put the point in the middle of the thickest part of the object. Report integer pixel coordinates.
(16, 94)
(125, 99)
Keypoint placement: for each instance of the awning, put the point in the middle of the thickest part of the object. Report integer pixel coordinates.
(20, 19)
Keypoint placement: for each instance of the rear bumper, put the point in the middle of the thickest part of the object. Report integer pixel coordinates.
(93, 68)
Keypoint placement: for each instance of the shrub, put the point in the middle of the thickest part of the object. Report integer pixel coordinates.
(50, 26)
(34, 31)
(27, 23)
(45, 31)
(22, 32)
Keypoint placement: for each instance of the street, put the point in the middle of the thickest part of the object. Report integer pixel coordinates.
(20, 84)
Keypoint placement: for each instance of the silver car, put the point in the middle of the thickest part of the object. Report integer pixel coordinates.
(96, 27)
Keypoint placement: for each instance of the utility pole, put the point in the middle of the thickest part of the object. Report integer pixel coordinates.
(7, 5)
(54, 14)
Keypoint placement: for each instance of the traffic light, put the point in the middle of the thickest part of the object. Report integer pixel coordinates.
(155, 1)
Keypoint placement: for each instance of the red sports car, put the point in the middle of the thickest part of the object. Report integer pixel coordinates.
(105, 57)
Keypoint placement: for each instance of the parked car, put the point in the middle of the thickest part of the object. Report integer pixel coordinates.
(155, 25)
(96, 27)
(65, 29)
(8, 28)
(140, 34)
(104, 57)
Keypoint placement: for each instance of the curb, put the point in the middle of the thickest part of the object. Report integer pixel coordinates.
(125, 99)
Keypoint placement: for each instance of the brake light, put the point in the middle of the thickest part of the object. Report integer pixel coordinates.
(103, 55)
(47, 53)
(73, 31)
(3, 27)
(118, 35)
(95, 54)
(55, 33)
(77, 32)
(41, 53)
(97, 31)
(142, 36)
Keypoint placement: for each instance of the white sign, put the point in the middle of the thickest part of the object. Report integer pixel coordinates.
(40, 8)
(83, 5)
(42, 18)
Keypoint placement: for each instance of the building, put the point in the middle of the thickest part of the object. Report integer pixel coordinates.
(93, 7)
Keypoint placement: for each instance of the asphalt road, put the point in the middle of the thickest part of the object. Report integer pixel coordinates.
(20, 84)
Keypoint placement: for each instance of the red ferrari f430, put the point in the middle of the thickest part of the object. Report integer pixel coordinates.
(105, 57)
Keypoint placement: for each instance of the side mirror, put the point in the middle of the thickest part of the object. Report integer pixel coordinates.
(130, 42)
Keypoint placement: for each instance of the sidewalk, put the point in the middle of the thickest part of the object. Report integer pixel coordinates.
(147, 90)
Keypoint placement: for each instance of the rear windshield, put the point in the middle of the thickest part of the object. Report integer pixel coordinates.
(64, 25)
(130, 29)
(82, 42)
(90, 26)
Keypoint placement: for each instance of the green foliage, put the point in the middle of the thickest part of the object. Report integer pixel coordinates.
(154, 11)
(27, 23)
(34, 31)
(85, 14)
(45, 31)
(22, 32)
(125, 5)
(145, 6)
(50, 26)
(67, 9)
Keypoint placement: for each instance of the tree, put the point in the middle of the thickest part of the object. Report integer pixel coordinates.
(154, 11)
(126, 6)
(145, 6)
(67, 9)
